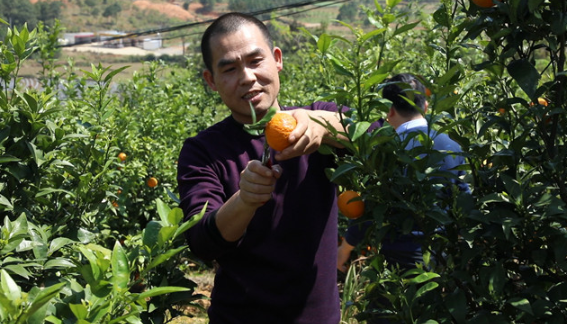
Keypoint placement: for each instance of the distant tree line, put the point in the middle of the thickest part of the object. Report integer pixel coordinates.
(16, 13)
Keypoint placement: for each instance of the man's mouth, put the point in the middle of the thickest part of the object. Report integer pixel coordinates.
(251, 95)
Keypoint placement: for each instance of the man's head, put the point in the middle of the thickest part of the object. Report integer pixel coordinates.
(242, 65)
(227, 24)
(407, 95)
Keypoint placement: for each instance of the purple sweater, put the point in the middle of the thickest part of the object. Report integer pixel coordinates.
(283, 270)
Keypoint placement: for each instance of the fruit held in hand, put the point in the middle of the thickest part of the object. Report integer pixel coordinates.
(278, 129)
(349, 207)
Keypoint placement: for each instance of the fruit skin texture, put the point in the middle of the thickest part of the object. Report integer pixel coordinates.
(278, 129)
(122, 156)
(350, 209)
(152, 182)
(484, 3)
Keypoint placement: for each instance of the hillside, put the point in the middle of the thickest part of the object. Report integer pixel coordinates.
(128, 15)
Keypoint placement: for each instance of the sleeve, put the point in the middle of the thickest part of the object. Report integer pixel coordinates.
(198, 185)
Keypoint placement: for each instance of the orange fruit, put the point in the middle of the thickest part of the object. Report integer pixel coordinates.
(484, 3)
(278, 129)
(427, 92)
(152, 182)
(122, 156)
(502, 111)
(350, 208)
(540, 101)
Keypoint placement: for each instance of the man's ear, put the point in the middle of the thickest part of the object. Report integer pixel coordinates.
(425, 107)
(391, 113)
(209, 78)
(278, 56)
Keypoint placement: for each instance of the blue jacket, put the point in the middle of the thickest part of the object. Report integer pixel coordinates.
(403, 249)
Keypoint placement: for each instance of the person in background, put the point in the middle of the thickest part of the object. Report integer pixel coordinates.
(405, 118)
(272, 230)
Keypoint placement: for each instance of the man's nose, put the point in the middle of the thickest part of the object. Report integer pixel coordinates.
(248, 75)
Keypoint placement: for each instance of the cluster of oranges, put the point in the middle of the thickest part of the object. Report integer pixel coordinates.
(152, 182)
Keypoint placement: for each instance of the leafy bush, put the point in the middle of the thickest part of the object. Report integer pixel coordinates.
(83, 237)
(501, 255)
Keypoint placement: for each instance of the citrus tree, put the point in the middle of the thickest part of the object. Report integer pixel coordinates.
(496, 79)
(85, 236)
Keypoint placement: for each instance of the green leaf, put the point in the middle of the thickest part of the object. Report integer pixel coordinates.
(131, 317)
(340, 67)
(191, 222)
(257, 127)
(19, 270)
(457, 305)
(161, 258)
(79, 310)
(324, 42)
(157, 291)
(522, 304)
(5, 202)
(58, 263)
(441, 16)
(31, 101)
(120, 268)
(358, 130)
(446, 103)
(163, 212)
(9, 287)
(526, 75)
(111, 75)
(175, 216)
(8, 158)
(42, 298)
(405, 28)
(94, 270)
(512, 186)
(372, 34)
(392, 3)
(57, 244)
(47, 191)
(165, 234)
(343, 169)
(374, 79)
(426, 276)
(425, 288)
(150, 234)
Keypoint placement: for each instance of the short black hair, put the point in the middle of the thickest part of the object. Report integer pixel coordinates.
(226, 24)
(406, 93)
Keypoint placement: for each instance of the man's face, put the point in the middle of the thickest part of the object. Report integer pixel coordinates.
(245, 71)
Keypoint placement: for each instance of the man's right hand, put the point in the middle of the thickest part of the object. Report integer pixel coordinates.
(257, 182)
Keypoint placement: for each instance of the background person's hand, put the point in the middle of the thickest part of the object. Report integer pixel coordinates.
(343, 255)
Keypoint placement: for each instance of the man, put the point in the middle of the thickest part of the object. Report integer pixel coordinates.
(272, 231)
(406, 115)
